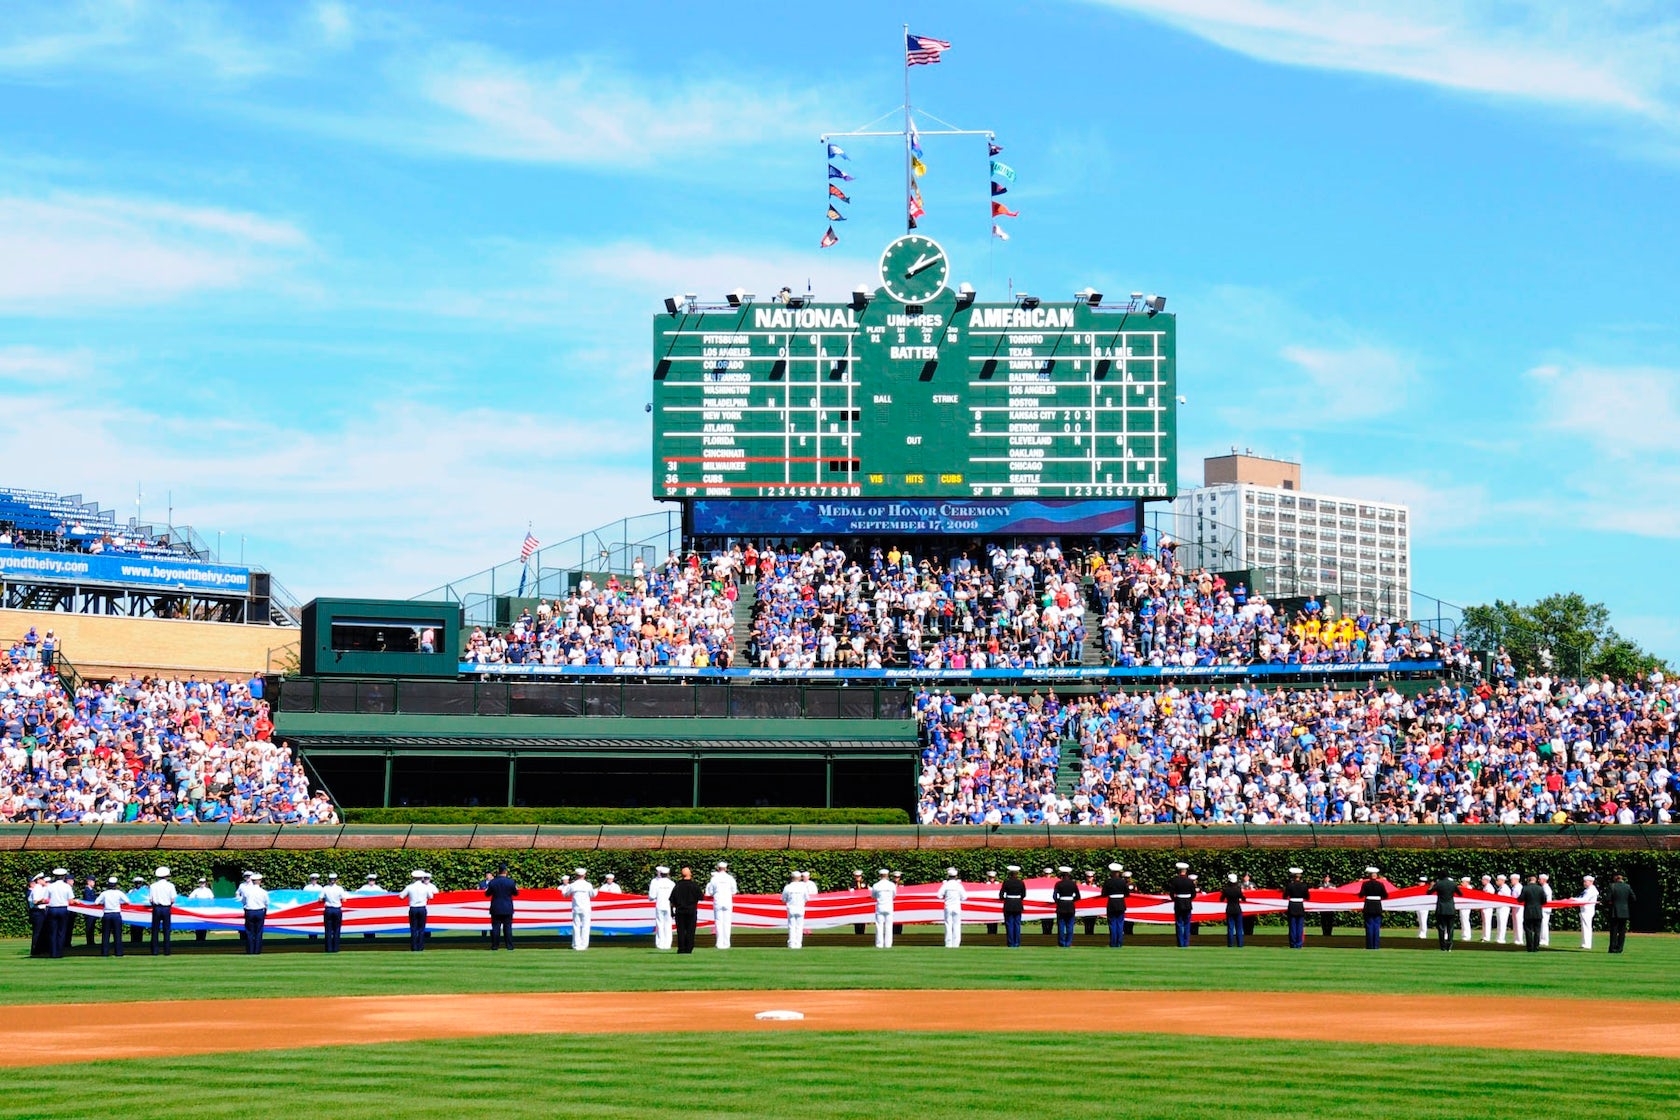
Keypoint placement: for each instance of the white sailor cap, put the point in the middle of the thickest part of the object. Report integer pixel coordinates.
(1466, 879)
(201, 878)
(1588, 879)
(330, 875)
(417, 874)
(255, 875)
(1296, 871)
(39, 875)
(608, 875)
(136, 879)
(662, 870)
(1012, 867)
(804, 874)
(1543, 875)
(883, 871)
(1126, 874)
(163, 873)
(950, 872)
(898, 874)
(1230, 876)
(1423, 878)
(314, 874)
(1114, 867)
(1487, 878)
(1502, 875)
(60, 873)
(1065, 870)
(1182, 866)
(1370, 871)
(372, 875)
(112, 881)
(723, 865)
(580, 872)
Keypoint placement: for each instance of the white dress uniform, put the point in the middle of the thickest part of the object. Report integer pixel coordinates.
(1503, 917)
(659, 892)
(1589, 907)
(1546, 916)
(581, 891)
(953, 894)
(1487, 914)
(794, 897)
(1423, 915)
(1464, 915)
(884, 891)
(722, 890)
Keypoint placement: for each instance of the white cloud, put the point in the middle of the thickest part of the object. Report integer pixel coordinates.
(1620, 59)
(30, 365)
(337, 26)
(1621, 411)
(65, 253)
(1356, 382)
(134, 37)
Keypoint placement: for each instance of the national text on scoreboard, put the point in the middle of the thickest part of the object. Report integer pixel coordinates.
(878, 398)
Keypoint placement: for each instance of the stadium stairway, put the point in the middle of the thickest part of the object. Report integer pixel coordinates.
(743, 624)
(1069, 767)
(1092, 652)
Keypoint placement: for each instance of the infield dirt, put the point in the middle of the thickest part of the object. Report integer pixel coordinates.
(52, 1034)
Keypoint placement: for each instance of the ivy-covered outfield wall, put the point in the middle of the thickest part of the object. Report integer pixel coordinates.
(1655, 875)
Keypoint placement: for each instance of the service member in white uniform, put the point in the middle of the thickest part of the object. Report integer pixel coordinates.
(952, 894)
(1546, 915)
(1464, 915)
(609, 885)
(722, 890)
(1423, 914)
(254, 900)
(659, 892)
(201, 892)
(418, 893)
(60, 893)
(794, 897)
(1513, 889)
(163, 897)
(1502, 916)
(582, 893)
(1589, 907)
(111, 901)
(883, 891)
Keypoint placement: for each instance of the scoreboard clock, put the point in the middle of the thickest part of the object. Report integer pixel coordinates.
(914, 269)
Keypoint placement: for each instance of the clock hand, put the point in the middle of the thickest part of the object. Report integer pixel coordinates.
(924, 261)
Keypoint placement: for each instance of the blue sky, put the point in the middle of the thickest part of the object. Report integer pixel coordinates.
(369, 286)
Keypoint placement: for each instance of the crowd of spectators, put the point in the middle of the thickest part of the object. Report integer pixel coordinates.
(144, 750)
(1004, 608)
(681, 613)
(1497, 751)
(39, 519)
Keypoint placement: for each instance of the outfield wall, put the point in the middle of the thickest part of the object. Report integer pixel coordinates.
(101, 646)
(761, 865)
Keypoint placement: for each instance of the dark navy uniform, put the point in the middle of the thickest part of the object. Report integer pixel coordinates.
(1619, 899)
(1373, 891)
(1446, 911)
(685, 908)
(1182, 889)
(1233, 895)
(501, 891)
(1014, 896)
(1116, 889)
(1066, 896)
(1295, 895)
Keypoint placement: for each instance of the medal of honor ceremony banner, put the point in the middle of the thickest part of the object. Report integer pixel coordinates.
(299, 912)
(939, 517)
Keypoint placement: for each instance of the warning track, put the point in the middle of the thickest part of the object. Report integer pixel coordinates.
(53, 1034)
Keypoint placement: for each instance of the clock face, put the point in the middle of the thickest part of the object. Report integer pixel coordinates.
(914, 269)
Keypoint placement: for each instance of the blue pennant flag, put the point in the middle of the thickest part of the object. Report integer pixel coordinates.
(835, 173)
(915, 143)
(836, 152)
(993, 148)
(999, 188)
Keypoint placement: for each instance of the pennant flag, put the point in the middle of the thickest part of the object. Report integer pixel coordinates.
(911, 224)
(836, 192)
(915, 143)
(999, 210)
(998, 231)
(830, 238)
(992, 147)
(916, 210)
(1002, 171)
(999, 188)
(835, 173)
(917, 165)
(835, 215)
(835, 151)
(920, 50)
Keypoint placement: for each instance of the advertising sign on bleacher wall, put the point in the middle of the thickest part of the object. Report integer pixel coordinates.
(160, 572)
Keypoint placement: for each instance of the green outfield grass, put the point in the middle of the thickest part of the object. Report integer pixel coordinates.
(854, 1075)
(297, 968)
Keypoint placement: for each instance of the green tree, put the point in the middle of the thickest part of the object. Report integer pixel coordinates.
(1561, 633)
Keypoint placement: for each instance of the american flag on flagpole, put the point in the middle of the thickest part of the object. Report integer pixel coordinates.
(531, 545)
(921, 50)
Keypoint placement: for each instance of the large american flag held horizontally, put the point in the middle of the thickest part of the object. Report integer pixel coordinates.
(531, 545)
(920, 50)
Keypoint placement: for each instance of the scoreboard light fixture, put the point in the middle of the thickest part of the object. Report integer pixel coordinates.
(965, 296)
(739, 298)
(1026, 301)
(1154, 305)
(1089, 296)
(671, 304)
(798, 301)
(860, 297)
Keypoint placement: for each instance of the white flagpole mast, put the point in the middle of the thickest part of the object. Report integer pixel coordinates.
(909, 175)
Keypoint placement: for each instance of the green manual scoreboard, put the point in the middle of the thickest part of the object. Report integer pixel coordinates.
(914, 390)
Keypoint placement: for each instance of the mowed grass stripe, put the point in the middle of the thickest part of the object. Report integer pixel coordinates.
(853, 1075)
(1645, 971)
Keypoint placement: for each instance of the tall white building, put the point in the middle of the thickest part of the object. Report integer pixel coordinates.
(1252, 513)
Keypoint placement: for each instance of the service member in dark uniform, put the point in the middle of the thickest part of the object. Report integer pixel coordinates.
(1327, 918)
(90, 895)
(1533, 899)
(1065, 894)
(1232, 894)
(1619, 899)
(1013, 894)
(685, 908)
(1373, 890)
(1249, 920)
(1182, 890)
(1116, 889)
(501, 890)
(1295, 896)
(991, 884)
(1446, 911)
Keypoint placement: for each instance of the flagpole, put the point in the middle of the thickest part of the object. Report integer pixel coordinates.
(909, 180)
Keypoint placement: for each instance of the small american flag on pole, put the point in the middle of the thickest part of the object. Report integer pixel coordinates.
(531, 545)
(921, 50)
